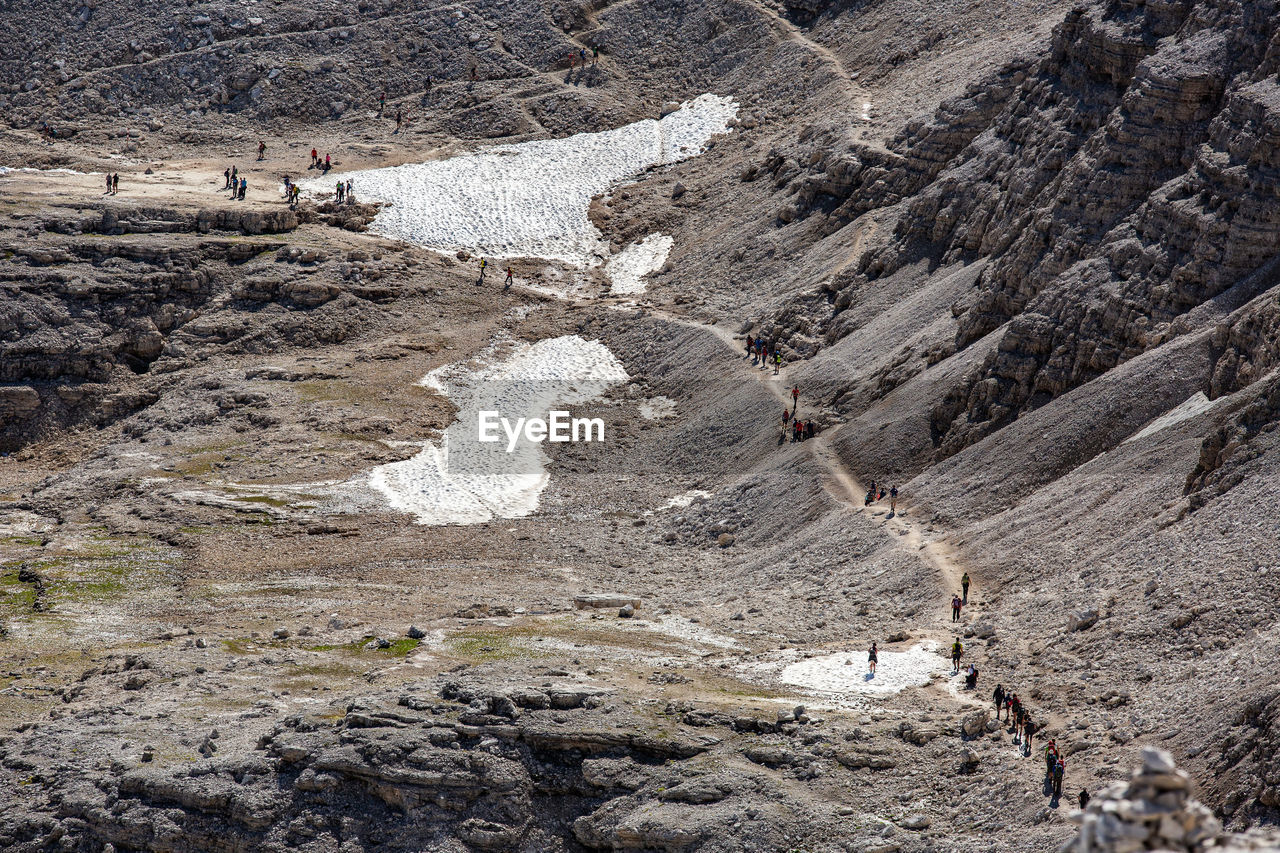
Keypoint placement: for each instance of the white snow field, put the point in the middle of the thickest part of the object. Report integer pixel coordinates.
(628, 268)
(845, 673)
(530, 199)
(463, 481)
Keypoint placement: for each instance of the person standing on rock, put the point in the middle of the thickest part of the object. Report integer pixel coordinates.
(115, 183)
(955, 608)
(108, 192)
(338, 192)
(226, 179)
(351, 192)
(957, 651)
(262, 150)
(964, 586)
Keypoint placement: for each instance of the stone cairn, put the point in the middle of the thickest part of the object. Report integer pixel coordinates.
(1154, 810)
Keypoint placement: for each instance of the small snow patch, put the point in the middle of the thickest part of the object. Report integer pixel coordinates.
(628, 268)
(846, 672)
(1194, 405)
(657, 408)
(460, 480)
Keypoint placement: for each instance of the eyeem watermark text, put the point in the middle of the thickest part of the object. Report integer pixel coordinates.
(558, 427)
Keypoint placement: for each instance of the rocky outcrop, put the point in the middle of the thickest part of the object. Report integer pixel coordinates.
(1154, 810)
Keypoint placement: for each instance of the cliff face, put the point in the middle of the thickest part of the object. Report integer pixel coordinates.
(1120, 189)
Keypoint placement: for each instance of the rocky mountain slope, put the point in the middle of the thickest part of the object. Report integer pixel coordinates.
(1018, 258)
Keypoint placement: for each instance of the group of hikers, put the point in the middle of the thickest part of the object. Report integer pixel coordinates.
(1024, 728)
(873, 495)
(764, 353)
(113, 183)
(238, 184)
(506, 285)
(316, 163)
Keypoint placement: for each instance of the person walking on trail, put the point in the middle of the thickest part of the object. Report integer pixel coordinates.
(399, 118)
(108, 192)
(315, 158)
(998, 696)
(382, 104)
(1059, 771)
(226, 179)
(964, 587)
(595, 55)
(873, 657)
(750, 343)
(777, 362)
(351, 193)
(262, 150)
(1028, 732)
(893, 500)
(799, 431)
(957, 651)
(510, 279)
(483, 265)
(795, 397)
(1050, 759)
(955, 608)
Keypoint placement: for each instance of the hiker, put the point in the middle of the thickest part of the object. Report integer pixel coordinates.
(382, 103)
(315, 158)
(882, 494)
(582, 57)
(893, 500)
(235, 178)
(483, 265)
(957, 650)
(777, 362)
(795, 396)
(226, 179)
(955, 608)
(750, 343)
(351, 194)
(1028, 732)
(1084, 799)
(510, 279)
(595, 55)
(108, 192)
(808, 429)
(1050, 759)
(971, 678)
(328, 164)
(262, 149)
(786, 416)
(799, 431)
(115, 183)
(998, 696)
(873, 656)
(869, 498)
(964, 586)
(337, 193)
(244, 187)
(297, 191)
(1059, 770)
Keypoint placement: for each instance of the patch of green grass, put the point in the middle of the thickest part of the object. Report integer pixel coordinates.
(398, 649)
(262, 499)
(240, 646)
(24, 540)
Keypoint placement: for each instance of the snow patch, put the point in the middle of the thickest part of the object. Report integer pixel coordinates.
(530, 199)
(657, 408)
(460, 480)
(846, 672)
(628, 268)
(1194, 405)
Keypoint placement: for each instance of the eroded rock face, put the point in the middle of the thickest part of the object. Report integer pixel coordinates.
(1111, 187)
